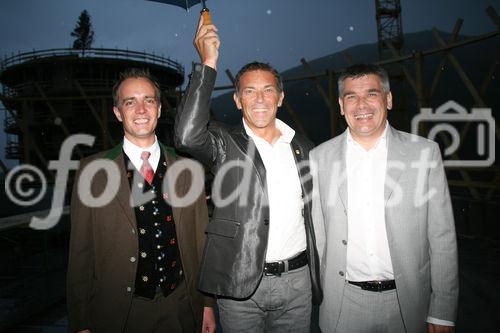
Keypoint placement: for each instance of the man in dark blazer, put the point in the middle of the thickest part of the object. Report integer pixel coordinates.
(134, 255)
(260, 258)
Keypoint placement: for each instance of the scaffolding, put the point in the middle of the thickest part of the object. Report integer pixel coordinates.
(389, 26)
(481, 183)
(51, 94)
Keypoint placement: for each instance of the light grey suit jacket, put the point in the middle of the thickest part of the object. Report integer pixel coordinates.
(421, 233)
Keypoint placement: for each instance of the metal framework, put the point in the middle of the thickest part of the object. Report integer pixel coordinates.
(51, 94)
(481, 183)
(389, 26)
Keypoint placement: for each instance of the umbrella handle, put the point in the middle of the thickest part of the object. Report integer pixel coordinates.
(207, 19)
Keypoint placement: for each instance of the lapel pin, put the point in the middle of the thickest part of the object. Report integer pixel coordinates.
(297, 151)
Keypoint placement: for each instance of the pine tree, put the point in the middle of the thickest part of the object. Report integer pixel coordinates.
(83, 32)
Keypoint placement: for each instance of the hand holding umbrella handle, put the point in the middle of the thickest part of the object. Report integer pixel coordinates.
(206, 40)
(207, 19)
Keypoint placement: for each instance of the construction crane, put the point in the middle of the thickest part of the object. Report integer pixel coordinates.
(389, 26)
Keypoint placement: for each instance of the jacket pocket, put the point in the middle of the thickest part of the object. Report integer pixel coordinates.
(222, 227)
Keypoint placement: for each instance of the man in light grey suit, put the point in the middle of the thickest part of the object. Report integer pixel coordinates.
(383, 220)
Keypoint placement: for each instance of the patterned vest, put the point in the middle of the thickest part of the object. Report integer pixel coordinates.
(159, 263)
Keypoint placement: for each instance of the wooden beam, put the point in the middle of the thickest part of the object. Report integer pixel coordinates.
(295, 118)
(94, 113)
(4, 168)
(466, 80)
(56, 115)
(460, 71)
(316, 82)
(29, 143)
(405, 70)
(496, 180)
(348, 58)
(106, 144)
(394, 60)
(442, 48)
(334, 105)
(439, 70)
(492, 13)
(231, 77)
(419, 81)
(474, 184)
(491, 73)
(492, 168)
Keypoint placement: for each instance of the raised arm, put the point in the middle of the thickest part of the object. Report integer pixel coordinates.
(191, 132)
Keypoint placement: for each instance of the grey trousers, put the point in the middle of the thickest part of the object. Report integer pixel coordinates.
(280, 304)
(366, 311)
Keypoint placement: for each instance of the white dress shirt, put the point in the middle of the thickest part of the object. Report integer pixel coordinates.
(368, 256)
(287, 236)
(134, 153)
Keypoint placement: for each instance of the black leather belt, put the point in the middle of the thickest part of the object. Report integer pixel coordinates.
(375, 285)
(278, 267)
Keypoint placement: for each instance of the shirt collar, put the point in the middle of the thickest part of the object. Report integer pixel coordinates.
(381, 142)
(134, 151)
(287, 133)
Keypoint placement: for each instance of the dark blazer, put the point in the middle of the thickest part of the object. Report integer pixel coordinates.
(237, 234)
(104, 249)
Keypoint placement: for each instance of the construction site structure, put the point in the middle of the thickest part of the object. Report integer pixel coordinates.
(49, 95)
(389, 27)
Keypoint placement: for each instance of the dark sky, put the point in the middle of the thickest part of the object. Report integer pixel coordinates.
(276, 31)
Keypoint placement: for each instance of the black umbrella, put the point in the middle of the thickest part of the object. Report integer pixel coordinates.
(186, 4)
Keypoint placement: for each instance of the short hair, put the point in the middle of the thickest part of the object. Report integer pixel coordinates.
(135, 73)
(258, 66)
(359, 70)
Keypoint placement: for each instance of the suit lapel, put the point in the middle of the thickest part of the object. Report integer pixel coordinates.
(124, 194)
(395, 154)
(247, 146)
(338, 153)
(299, 157)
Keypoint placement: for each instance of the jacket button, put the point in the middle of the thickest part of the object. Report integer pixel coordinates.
(132, 259)
(129, 289)
(341, 273)
(266, 221)
(344, 242)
